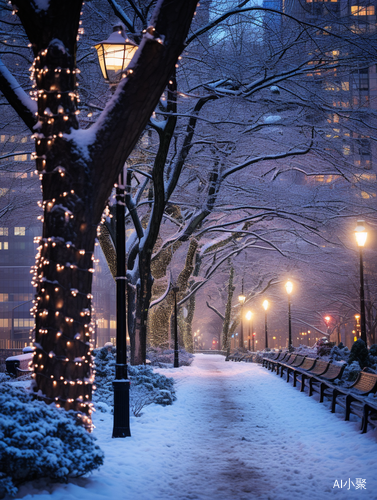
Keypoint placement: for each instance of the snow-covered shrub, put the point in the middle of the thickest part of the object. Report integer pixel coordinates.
(37, 440)
(351, 371)
(307, 351)
(4, 377)
(373, 350)
(359, 353)
(324, 347)
(146, 386)
(164, 358)
(339, 353)
(373, 357)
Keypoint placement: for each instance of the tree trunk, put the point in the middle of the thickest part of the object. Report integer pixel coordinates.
(77, 172)
(228, 310)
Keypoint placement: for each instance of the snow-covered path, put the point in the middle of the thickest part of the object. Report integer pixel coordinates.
(237, 431)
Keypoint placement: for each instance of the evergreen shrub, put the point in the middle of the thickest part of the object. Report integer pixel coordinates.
(41, 441)
(359, 353)
(146, 386)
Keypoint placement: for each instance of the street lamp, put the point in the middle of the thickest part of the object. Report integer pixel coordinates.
(176, 354)
(265, 307)
(289, 288)
(241, 299)
(361, 237)
(249, 315)
(358, 330)
(115, 54)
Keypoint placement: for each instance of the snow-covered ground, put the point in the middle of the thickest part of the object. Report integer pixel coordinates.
(236, 431)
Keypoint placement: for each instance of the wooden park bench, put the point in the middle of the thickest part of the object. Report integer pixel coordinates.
(283, 364)
(323, 384)
(353, 399)
(320, 367)
(298, 361)
(268, 356)
(369, 415)
(271, 361)
(308, 364)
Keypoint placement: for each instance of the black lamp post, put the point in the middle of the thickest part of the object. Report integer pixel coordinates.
(249, 315)
(176, 352)
(114, 55)
(121, 384)
(361, 237)
(241, 299)
(265, 307)
(289, 288)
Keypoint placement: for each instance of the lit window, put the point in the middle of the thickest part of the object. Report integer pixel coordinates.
(358, 10)
(345, 86)
(3, 231)
(20, 158)
(19, 231)
(3, 297)
(3, 245)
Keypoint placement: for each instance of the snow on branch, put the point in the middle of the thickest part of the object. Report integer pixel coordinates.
(215, 310)
(286, 154)
(17, 97)
(162, 297)
(120, 14)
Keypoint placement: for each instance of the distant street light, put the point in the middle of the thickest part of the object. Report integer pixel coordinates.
(265, 307)
(361, 237)
(249, 315)
(289, 289)
(241, 299)
(176, 353)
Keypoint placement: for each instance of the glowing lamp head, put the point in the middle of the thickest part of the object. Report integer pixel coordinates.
(115, 54)
(241, 299)
(265, 305)
(249, 315)
(289, 287)
(327, 319)
(361, 233)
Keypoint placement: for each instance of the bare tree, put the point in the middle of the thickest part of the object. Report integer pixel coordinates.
(78, 169)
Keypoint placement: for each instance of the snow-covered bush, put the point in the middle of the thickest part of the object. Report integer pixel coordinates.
(359, 353)
(339, 353)
(146, 387)
(4, 377)
(37, 440)
(351, 371)
(323, 347)
(307, 351)
(373, 357)
(164, 358)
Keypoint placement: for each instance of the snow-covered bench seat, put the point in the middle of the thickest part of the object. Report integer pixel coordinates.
(270, 363)
(323, 384)
(19, 365)
(307, 365)
(353, 399)
(281, 365)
